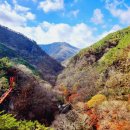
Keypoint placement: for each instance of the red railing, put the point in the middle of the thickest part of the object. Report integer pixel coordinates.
(12, 81)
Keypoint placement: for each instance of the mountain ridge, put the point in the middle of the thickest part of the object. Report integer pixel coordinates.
(60, 51)
(29, 50)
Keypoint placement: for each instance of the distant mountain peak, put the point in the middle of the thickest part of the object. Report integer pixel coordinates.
(60, 51)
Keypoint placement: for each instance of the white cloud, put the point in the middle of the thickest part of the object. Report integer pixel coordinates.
(9, 16)
(14, 1)
(75, 1)
(34, 1)
(79, 35)
(51, 5)
(74, 13)
(97, 17)
(30, 16)
(17, 16)
(21, 8)
(113, 29)
(115, 9)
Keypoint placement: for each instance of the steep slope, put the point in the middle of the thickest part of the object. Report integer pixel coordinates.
(97, 84)
(29, 51)
(93, 68)
(60, 51)
(5, 51)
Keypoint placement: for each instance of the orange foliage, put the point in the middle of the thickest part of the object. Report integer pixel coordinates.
(129, 99)
(93, 117)
(62, 88)
(73, 97)
(118, 125)
(69, 95)
(122, 125)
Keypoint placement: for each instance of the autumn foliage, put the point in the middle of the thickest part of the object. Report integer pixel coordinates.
(96, 100)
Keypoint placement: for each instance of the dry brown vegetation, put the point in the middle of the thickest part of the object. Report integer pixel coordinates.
(33, 100)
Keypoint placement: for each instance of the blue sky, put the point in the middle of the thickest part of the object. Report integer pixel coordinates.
(78, 22)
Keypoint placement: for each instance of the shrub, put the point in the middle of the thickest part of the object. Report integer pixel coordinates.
(74, 98)
(96, 100)
(4, 83)
(114, 115)
(75, 87)
(63, 89)
(29, 125)
(128, 107)
(8, 122)
(5, 63)
(20, 62)
(69, 121)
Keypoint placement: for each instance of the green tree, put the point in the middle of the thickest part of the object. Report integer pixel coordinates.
(8, 122)
(4, 84)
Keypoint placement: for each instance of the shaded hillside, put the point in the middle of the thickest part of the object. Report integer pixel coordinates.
(92, 67)
(5, 51)
(60, 51)
(15, 44)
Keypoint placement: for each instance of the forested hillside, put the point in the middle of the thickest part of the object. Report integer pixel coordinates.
(16, 45)
(109, 55)
(97, 82)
